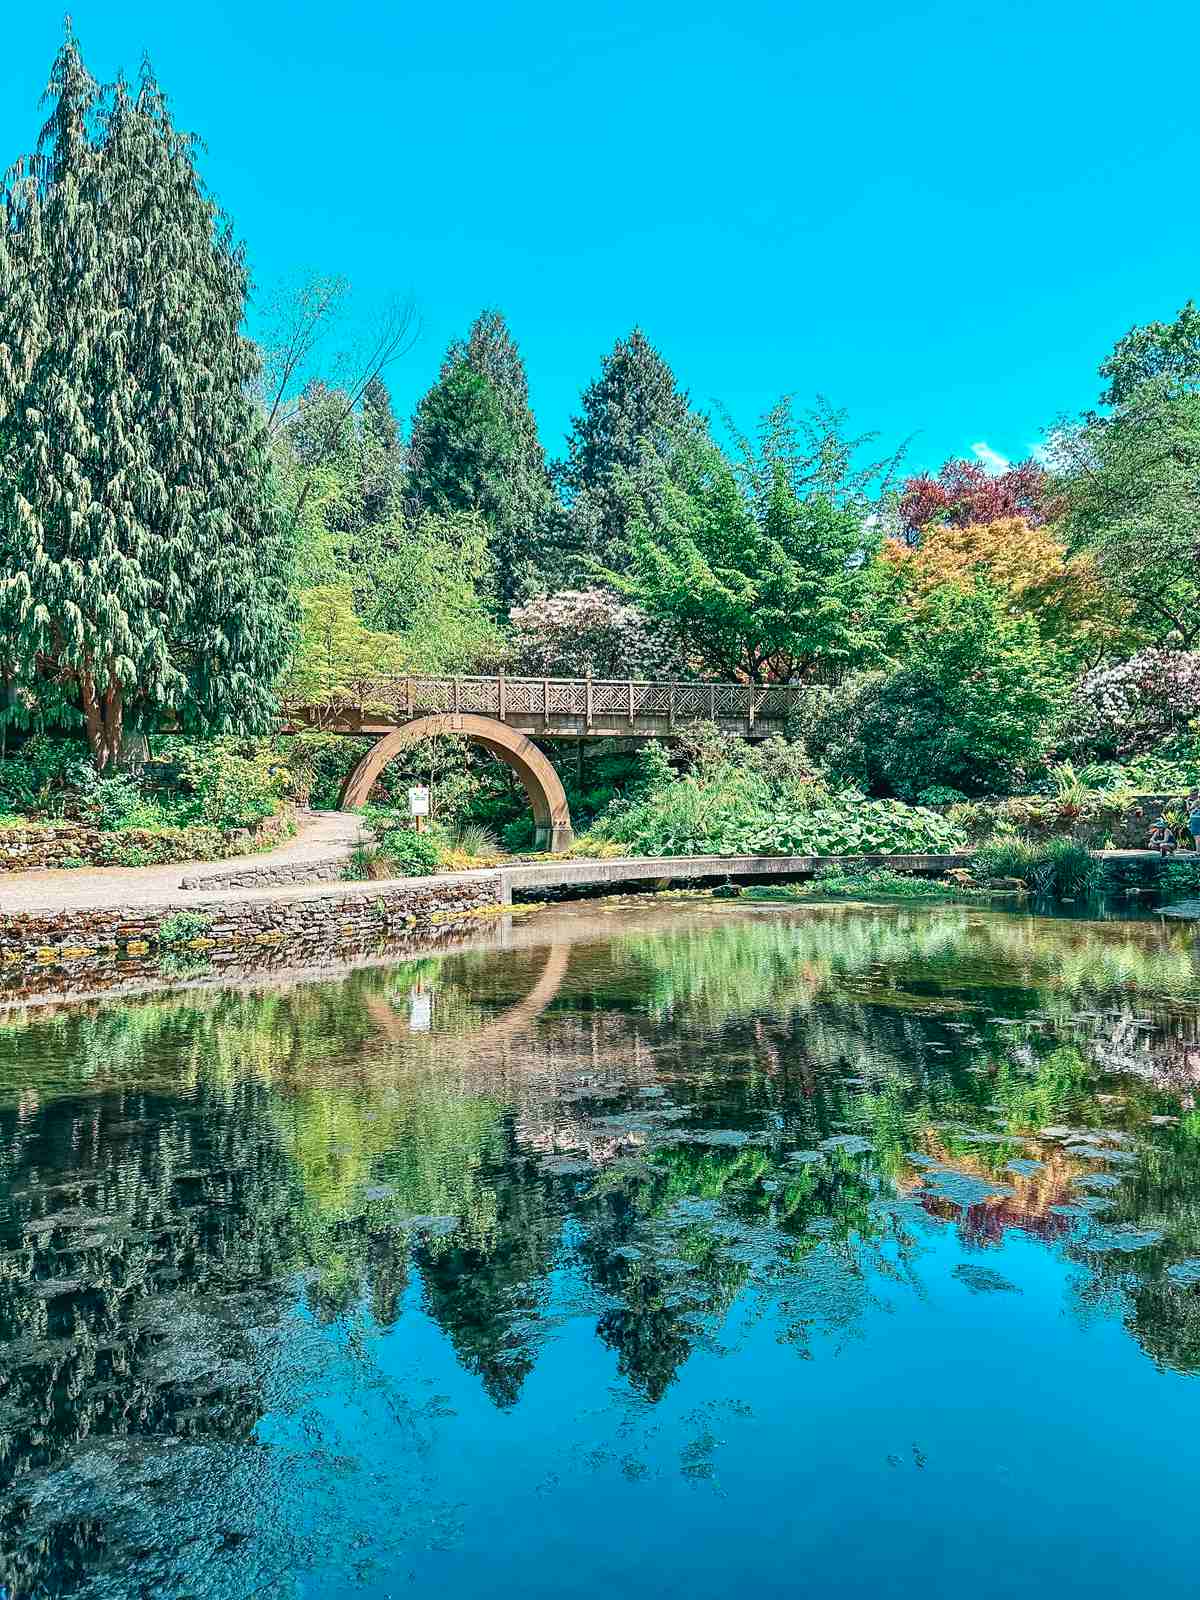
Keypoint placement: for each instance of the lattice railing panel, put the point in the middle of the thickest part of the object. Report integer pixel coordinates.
(609, 699)
(775, 705)
(652, 698)
(566, 699)
(544, 699)
(525, 696)
(690, 703)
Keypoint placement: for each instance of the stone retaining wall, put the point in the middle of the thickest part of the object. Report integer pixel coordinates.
(328, 870)
(33, 846)
(1096, 824)
(309, 923)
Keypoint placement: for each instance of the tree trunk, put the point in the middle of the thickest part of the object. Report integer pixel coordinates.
(104, 717)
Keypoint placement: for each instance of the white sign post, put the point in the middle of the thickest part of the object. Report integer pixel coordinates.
(418, 805)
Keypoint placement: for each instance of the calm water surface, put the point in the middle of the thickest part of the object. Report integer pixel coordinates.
(688, 1251)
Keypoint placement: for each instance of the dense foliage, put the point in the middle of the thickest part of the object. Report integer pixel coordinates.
(194, 528)
(143, 568)
(969, 708)
(765, 800)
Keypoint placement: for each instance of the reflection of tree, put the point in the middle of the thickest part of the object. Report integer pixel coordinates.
(136, 1241)
(710, 1110)
(487, 1295)
(1158, 1194)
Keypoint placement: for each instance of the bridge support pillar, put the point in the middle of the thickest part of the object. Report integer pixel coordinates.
(555, 839)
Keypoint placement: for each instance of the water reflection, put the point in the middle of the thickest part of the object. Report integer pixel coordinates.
(241, 1230)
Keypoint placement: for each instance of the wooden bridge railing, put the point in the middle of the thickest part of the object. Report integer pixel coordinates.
(572, 704)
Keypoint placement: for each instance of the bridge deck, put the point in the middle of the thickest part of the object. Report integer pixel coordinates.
(557, 707)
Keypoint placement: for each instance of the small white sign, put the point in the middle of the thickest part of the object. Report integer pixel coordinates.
(418, 802)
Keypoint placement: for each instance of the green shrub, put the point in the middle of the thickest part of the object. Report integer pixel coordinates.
(1060, 868)
(416, 855)
(181, 926)
(398, 851)
(940, 794)
(970, 708)
(741, 801)
(517, 836)
(232, 784)
(226, 783)
(137, 847)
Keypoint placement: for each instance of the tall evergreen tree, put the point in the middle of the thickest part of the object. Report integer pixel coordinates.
(141, 562)
(475, 447)
(633, 407)
(381, 453)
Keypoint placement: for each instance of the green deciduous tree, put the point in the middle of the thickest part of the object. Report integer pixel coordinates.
(969, 708)
(1131, 476)
(767, 570)
(425, 580)
(141, 560)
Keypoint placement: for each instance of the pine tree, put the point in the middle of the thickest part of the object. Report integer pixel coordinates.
(381, 454)
(141, 561)
(475, 447)
(634, 406)
(460, 455)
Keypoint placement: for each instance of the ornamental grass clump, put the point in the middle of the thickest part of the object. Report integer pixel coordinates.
(1061, 869)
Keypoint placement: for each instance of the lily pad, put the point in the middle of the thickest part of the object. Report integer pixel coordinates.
(982, 1280)
(851, 1144)
(1123, 1237)
(1024, 1167)
(963, 1190)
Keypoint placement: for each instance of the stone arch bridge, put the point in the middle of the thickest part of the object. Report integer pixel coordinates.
(506, 715)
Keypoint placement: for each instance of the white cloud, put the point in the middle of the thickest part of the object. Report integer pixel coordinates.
(989, 458)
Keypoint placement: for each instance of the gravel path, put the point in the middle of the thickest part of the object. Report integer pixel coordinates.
(322, 836)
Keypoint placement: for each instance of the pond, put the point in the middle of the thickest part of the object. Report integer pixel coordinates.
(675, 1250)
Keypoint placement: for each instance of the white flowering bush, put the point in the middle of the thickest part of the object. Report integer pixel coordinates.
(1129, 709)
(581, 631)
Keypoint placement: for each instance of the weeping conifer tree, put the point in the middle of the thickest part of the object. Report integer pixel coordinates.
(143, 565)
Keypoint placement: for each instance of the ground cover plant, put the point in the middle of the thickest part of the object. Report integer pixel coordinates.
(761, 800)
(845, 883)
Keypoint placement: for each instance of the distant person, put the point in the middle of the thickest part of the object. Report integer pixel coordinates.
(1161, 837)
(1194, 823)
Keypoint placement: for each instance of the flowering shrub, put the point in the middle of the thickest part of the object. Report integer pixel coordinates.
(1128, 709)
(581, 631)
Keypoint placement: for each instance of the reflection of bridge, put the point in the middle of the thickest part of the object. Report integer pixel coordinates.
(500, 1030)
(501, 713)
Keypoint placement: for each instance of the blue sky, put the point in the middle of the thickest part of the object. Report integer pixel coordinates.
(941, 215)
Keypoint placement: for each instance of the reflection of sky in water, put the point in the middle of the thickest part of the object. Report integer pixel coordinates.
(668, 1251)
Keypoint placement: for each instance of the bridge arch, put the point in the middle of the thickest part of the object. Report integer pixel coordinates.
(547, 798)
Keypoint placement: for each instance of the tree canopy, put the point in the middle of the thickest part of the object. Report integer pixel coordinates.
(142, 564)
